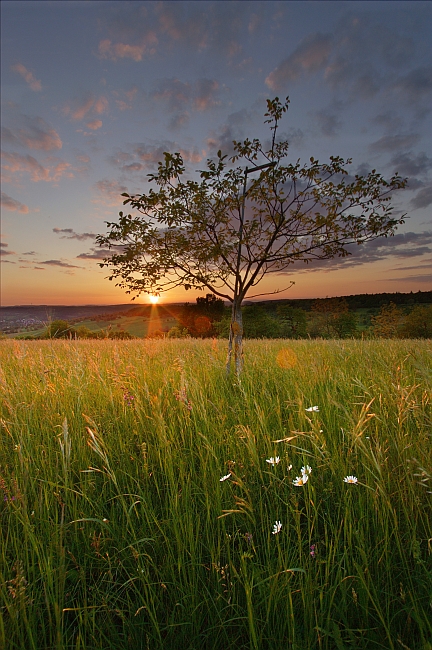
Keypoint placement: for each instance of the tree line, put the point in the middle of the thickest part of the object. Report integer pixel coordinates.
(327, 318)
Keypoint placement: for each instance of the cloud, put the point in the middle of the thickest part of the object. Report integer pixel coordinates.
(205, 96)
(233, 129)
(78, 109)
(423, 198)
(365, 55)
(71, 234)
(394, 142)
(147, 156)
(3, 251)
(14, 163)
(12, 204)
(175, 93)
(413, 268)
(94, 125)
(115, 51)
(310, 56)
(180, 97)
(30, 253)
(60, 263)
(410, 278)
(389, 120)
(401, 246)
(329, 123)
(32, 133)
(96, 254)
(38, 268)
(109, 193)
(415, 85)
(407, 164)
(28, 77)
(138, 31)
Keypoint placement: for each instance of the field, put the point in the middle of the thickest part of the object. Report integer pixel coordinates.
(150, 502)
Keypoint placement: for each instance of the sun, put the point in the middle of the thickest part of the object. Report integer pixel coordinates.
(154, 299)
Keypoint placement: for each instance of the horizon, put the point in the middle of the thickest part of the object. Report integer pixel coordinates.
(93, 94)
(171, 303)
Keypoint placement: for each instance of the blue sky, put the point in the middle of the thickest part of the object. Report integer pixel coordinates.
(93, 93)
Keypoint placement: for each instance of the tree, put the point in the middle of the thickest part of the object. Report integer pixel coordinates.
(59, 329)
(294, 321)
(224, 234)
(199, 319)
(418, 323)
(387, 323)
(330, 317)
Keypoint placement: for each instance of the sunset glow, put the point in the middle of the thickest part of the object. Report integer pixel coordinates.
(154, 299)
(94, 93)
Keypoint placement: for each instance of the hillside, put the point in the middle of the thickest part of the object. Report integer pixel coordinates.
(142, 320)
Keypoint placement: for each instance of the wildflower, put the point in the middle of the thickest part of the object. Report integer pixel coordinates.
(312, 550)
(276, 528)
(312, 408)
(306, 470)
(249, 538)
(350, 479)
(289, 468)
(273, 461)
(224, 478)
(301, 480)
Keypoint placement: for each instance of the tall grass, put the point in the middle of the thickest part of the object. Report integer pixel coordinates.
(118, 533)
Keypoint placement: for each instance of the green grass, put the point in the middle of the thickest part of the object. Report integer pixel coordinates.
(116, 531)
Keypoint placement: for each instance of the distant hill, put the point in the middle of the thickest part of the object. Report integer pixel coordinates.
(21, 318)
(360, 301)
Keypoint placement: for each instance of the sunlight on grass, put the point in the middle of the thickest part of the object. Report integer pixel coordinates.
(146, 501)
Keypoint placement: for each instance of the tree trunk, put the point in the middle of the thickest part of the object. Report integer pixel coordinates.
(236, 339)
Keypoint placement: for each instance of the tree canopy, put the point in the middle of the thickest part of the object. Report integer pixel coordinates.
(226, 231)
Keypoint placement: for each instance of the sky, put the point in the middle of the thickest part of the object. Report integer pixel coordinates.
(94, 92)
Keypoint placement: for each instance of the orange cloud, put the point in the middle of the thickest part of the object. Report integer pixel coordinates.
(34, 83)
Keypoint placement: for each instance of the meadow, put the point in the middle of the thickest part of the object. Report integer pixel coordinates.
(147, 501)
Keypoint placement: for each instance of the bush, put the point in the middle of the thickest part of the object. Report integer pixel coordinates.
(178, 332)
(120, 334)
(59, 329)
(418, 324)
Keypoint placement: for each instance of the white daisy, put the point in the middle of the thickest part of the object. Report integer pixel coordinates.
(301, 480)
(312, 408)
(273, 461)
(224, 478)
(276, 528)
(350, 479)
(306, 470)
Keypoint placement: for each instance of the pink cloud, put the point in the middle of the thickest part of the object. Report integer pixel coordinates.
(122, 105)
(114, 51)
(34, 83)
(206, 90)
(8, 203)
(32, 132)
(14, 163)
(109, 193)
(94, 125)
(130, 94)
(311, 55)
(79, 110)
